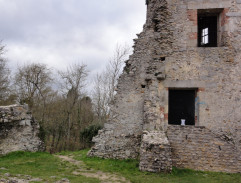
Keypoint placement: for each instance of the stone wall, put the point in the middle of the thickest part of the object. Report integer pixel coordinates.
(116, 146)
(200, 149)
(18, 130)
(166, 56)
(155, 152)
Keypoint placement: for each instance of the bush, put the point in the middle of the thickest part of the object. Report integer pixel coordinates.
(88, 133)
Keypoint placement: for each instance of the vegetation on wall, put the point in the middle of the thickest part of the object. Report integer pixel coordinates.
(88, 133)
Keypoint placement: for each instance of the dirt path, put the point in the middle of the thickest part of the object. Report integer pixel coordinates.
(85, 171)
(18, 180)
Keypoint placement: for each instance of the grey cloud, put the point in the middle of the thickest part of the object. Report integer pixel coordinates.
(58, 32)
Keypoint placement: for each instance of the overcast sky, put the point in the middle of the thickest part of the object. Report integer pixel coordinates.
(59, 32)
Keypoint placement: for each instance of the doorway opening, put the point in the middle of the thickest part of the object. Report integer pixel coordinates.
(181, 106)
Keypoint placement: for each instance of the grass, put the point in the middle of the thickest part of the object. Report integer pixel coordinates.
(45, 166)
(129, 169)
(39, 165)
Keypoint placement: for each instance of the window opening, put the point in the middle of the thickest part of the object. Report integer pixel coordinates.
(181, 106)
(207, 28)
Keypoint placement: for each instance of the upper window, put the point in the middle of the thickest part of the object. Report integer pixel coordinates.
(207, 29)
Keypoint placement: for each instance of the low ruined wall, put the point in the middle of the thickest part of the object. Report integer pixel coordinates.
(115, 146)
(18, 130)
(155, 152)
(200, 149)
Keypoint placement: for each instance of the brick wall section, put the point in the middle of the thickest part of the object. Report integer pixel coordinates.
(200, 149)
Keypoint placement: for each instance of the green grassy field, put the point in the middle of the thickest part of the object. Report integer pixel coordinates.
(51, 169)
(39, 165)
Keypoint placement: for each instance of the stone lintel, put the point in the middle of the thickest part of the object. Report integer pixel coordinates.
(209, 5)
(184, 84)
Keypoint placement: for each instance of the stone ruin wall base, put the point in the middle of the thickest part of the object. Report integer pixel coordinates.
(155, 152)
(199, 148)
(115, 147)
(18, 130)
(191, 147)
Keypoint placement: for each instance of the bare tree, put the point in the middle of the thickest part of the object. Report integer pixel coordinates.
(33, 83)
(100, 96)
(73, 81)
(106, 82)
(72, 87)
(4, 75)
(62, 112)
(114, 68)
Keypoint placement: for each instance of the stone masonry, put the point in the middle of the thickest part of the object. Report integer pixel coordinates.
(167, 57)
(198, 148)
(18, 130)
(155, 152)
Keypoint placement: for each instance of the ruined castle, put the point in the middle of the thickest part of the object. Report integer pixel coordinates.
(178, 100)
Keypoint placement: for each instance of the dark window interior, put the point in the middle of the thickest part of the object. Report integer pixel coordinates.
(163, 58)
(143, 86)
(207, 30)
(181, 106)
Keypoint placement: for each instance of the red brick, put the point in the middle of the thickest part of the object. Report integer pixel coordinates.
(224, 18)
(192, 16)
(201, 89)
(192, 35)
(166, 116)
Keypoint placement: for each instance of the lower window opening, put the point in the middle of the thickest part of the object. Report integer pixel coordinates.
(181, 107)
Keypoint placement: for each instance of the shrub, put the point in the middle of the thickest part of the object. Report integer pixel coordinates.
(88, 133)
